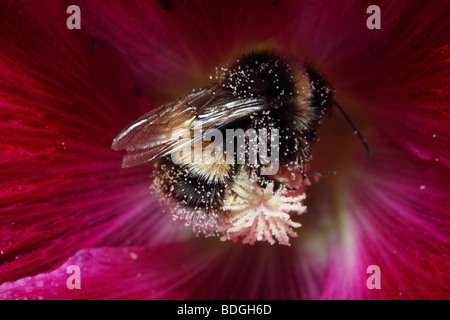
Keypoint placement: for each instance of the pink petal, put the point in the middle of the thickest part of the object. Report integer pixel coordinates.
(395, 78)
(396, 218)
(63, 98)
(186, 270)
(172, 49)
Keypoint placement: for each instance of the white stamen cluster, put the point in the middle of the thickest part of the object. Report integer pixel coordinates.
(260, 214)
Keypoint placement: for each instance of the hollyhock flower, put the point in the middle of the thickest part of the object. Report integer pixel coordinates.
(65, 201)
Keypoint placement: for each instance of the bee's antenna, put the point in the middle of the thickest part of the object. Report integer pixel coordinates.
(361, 137)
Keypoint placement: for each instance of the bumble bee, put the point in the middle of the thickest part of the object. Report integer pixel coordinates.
(260, 90)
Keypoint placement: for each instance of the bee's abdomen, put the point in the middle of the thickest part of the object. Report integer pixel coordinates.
(185, 184)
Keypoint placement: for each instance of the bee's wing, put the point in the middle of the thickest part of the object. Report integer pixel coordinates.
(157, 133)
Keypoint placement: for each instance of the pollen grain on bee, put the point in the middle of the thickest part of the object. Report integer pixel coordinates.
(238, 147)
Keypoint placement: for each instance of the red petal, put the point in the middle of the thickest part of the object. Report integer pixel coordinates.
(64, 96)
(172, 49)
